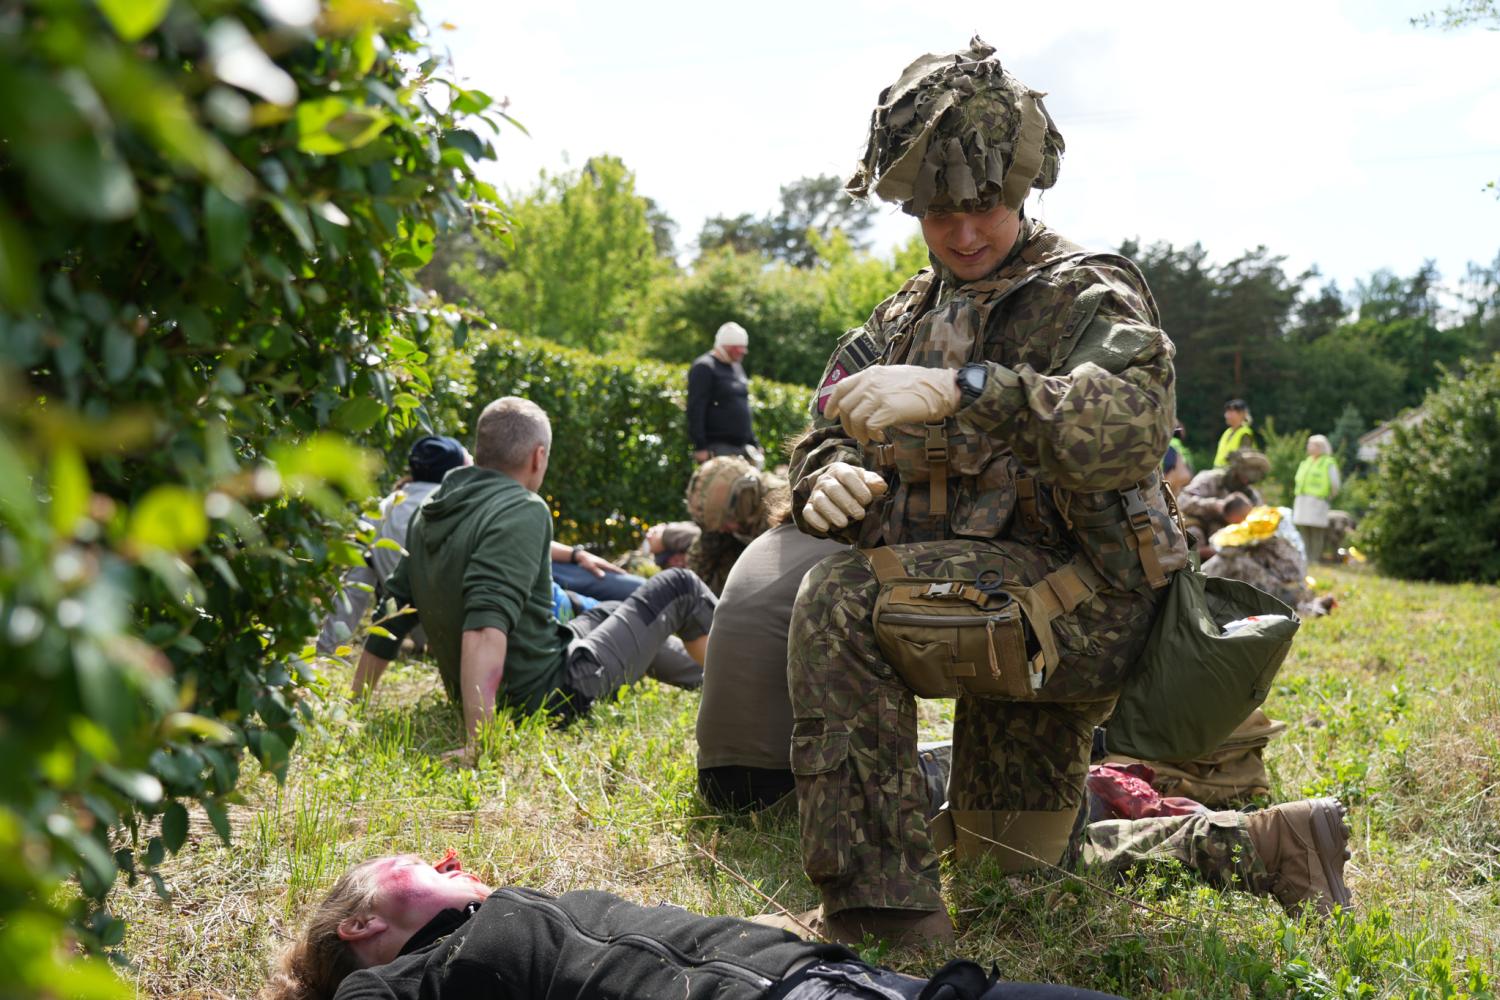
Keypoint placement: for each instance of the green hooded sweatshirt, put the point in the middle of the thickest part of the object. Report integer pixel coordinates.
(480, 556)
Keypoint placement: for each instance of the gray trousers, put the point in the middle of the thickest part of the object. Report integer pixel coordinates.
(619, 642)
(1313, 541)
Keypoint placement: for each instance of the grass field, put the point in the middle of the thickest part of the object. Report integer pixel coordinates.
(1393, 706)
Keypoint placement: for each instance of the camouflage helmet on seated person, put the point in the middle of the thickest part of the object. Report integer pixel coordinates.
(724, 490)
(1248, 465)
(957, 133)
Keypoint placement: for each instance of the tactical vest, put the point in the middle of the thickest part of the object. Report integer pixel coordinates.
(946, 482)
(1315, 477)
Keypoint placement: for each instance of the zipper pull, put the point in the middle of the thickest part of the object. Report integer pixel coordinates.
(989, 627)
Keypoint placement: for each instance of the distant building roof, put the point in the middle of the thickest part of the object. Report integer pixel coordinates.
(1372, 442)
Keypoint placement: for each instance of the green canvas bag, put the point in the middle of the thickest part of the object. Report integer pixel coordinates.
(1194, 684)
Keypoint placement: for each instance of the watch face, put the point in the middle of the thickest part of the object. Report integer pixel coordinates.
(972, 379)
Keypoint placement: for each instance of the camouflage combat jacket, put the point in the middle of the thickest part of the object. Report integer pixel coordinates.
(1078, 405)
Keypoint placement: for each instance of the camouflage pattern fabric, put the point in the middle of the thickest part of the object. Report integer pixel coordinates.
(862, 796)
(1199, 500)
(1273, 565)
(1215, 846)
(1102, 427)
(716, 488)
(1079, 429)
(712, 501)
(712, 556)
(957, 133)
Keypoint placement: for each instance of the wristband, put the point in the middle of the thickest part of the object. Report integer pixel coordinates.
(577, 550)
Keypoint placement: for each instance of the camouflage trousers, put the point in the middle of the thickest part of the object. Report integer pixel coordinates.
(1018, 766)
(1215, 846)
(1273, 565)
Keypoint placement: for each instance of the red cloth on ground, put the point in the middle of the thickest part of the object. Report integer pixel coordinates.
(1125, 789)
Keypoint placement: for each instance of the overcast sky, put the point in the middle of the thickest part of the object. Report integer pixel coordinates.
(1332, 133)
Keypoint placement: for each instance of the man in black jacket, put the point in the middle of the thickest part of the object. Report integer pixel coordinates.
(397, 928)
(718, 406)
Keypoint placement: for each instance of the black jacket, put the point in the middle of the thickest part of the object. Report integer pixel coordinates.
(718, 406)
(525, 945)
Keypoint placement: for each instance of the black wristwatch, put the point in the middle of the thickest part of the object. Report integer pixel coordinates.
(971, 382)
(577, 549)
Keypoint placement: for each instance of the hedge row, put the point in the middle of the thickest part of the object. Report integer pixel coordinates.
(620, 451)
(205, 302)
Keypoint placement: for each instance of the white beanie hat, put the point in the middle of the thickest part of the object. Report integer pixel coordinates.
(731, 334)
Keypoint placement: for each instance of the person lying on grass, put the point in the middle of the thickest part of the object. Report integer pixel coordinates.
(398, 928)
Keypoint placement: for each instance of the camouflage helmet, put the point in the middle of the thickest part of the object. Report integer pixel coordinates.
(957, 133)
(723, 490)
(1248, 465)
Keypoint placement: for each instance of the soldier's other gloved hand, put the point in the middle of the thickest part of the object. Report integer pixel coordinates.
(871, 400)
(841, 493)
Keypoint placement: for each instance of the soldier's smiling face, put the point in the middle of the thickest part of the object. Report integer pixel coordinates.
(971, 244)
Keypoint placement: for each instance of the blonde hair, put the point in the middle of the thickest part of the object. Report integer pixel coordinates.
(1321, 443)
(313, 964)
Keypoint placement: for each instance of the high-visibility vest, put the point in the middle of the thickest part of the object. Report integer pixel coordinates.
(1233, 439)
(1315, 477)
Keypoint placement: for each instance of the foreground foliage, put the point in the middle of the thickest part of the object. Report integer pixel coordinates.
(206, 220)
(1392, 703)
(1436, 509)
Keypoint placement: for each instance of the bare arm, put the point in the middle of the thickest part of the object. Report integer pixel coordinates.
(481, 668)
(596, 565)
(368, 673)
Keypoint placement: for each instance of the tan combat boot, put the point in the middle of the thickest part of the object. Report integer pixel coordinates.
(1304, 845)
(901, 928)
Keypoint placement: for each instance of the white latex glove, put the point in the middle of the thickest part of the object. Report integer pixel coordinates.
(841, 493)
(869, 401)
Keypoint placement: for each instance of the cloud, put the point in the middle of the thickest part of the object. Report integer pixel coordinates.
(1302, 126)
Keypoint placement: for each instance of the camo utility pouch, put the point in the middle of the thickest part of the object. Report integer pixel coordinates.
(944, 637)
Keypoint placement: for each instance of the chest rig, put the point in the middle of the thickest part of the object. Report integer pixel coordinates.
(921, 460)
(948, 481)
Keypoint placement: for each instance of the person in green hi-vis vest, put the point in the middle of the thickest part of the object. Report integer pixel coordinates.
(1316, 485)
(1239, 434)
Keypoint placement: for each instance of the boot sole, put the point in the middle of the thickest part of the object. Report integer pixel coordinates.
(1331, 839)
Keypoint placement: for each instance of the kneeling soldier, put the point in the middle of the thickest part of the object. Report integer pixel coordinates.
(989, 440)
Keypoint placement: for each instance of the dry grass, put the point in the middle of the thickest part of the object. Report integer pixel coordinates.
(1393, 704)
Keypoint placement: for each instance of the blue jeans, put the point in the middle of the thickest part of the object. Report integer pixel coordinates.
(609, 587)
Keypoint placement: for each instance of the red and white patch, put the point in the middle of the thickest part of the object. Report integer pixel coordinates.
(835, 376)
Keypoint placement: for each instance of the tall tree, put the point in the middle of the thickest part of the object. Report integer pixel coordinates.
(577, 263)
(811, 205)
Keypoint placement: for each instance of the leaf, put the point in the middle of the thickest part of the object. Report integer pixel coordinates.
(134, 19)
(239, 61)
(295, 217)
(174, 827)
(358, 414)
(364, 48)
(273, 750)
(228, 226)
(169, 518)
(142, 787)
(219, 818)
(85, 177)
(465, 140)
(333, 125)
(119, 352)
(70, 490)
(17, 265)
(180, 725)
